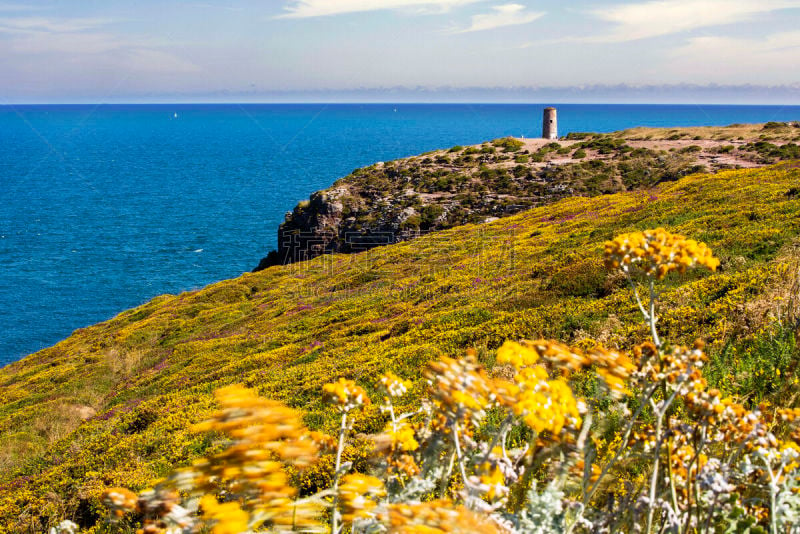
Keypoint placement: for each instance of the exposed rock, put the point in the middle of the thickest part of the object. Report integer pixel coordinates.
(399, 200)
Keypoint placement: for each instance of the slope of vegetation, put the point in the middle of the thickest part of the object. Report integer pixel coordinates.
(397, 200)
(112, 404)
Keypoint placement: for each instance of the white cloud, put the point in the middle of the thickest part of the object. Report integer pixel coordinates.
(84, 42)
(504, 15)
(738, 60)
(664, 17)
(320, 8)
(68, 44)
(50, 25)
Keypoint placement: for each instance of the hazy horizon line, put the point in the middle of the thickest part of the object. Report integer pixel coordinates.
(652, 94)
(389, 102)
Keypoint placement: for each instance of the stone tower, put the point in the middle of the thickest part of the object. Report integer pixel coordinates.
(550, 124)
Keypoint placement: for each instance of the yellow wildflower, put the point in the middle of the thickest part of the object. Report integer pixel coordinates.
(545, 405)
(460, 387)
(436, 517)
(263, 431)
(517, 354)
(119, 501)
(493, 481)
(357, 494)
(393, 385)
(657, 252)
(402, 436)
(345, 394)
(225, 518)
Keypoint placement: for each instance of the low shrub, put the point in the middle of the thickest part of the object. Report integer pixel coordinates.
(542, 437)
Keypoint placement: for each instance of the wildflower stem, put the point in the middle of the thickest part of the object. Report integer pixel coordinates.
(672, 491)
(459, 457)
(636, 296)
(337, 475)
(446, 477)
(692, 489)
(587, 425)
(649, 315)
(390, 407)
(652, 314)
(773, 492)
(707, 526)
(654, 477)
(660, 413)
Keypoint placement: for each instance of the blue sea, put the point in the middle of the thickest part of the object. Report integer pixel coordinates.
(104, 207)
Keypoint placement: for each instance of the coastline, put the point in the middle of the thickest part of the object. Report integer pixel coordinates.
(394, 201)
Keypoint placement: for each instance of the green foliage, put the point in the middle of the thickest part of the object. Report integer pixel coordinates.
(112, 404)
(603, 145)
(757, 367)
(509, 144)
(770, 152)
(429, 214)
(579, 136)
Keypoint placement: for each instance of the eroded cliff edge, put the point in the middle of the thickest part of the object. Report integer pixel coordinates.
(398, 200)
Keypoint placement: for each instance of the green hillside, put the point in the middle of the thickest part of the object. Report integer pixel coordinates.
(112, 404)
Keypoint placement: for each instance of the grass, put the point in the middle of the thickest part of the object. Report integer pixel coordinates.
(148, 373)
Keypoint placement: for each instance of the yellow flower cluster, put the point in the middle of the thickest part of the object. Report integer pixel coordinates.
(402, 436)
(686, 463)
(324, 442)
(119, 501)
(357, 493)
(264, 434)
(657, 252)
(345, 394)
(678, 365)
(525, 354)
(492, 481)
(225, 518)
(436, 517)
(159, 510)
(613, 367)
(461, 388)
(395, 446)
(393, 385)
(735, 422)
(261, 428)
(545, 405)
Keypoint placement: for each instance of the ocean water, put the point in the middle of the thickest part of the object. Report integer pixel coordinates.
(104, 207)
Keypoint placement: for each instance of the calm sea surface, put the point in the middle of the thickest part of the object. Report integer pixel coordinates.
(104, 207)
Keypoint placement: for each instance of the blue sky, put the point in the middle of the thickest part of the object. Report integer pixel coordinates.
(114, 50)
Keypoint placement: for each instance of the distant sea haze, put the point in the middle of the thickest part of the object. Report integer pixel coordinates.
(104, 207)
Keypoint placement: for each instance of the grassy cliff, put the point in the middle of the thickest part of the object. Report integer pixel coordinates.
(396, 200)
(113, 403)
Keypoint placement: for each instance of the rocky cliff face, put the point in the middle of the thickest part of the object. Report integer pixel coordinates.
(399, 200)
(324, 224)
(395, 201)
